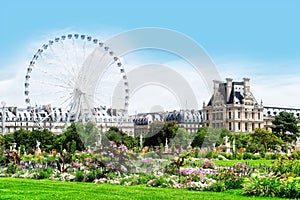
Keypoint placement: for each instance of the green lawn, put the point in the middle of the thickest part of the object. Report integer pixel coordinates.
(249, 162)
(16, 188)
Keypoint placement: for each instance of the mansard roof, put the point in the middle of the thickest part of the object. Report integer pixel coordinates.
(236, 95)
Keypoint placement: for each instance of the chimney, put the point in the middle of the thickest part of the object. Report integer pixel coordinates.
(216, 86)
(246, 86)
(228, 88)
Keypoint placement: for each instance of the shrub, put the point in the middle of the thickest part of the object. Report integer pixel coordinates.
(270, 186)
(207, 164)
(296, 155)
(12, 168)
(79, 176)
(92, 175)
(285, 166)
(231, 179)
(42, 173)
(217, 187)
(261, 185)
(290, 188)
(248, 156)
(210, 154)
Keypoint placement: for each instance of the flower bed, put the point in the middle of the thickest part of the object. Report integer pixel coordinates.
(281, 178)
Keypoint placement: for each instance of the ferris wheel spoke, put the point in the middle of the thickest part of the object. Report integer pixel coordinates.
(66, 55)
(44, 83)
(51, 62)
(74, 50)
(62, 63)
(57, 78)
(48, 93)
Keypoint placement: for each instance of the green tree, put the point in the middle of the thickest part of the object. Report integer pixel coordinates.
(119, 137)
(87, 132)
(207, 136)
(22, 137)
(241, 140)
(8, 140)
(285, 126)
(264, 138)
(200, 136)
(115, 135)
(159, 131)
(69, 136)
(45, 137)
(182, 138)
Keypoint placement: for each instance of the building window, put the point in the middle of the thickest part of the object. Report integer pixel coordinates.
(230, 126)
(229, 115)
(258, 115)
(252, 115)
(207, 116)
(259, 125)
(252, 126)
(246, 126)
(239, 126)
(239, 114)
(246, 115)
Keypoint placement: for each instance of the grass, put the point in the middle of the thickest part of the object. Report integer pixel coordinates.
(17, 188)
(249, 162)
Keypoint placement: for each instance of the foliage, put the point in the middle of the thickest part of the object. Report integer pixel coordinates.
(271, 186)
(119, 137)
(159, 132)
(174, 166)
(241, 140)
(285, 126)
(285, 167)
(65, 140)
(182, 138)
(231, 178)
(210, 137)
(265, 138)
(207, 164)
(262, 185)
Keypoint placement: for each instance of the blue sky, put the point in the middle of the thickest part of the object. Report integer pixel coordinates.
(243, 33)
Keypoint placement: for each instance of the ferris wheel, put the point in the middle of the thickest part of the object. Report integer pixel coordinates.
(76, 74)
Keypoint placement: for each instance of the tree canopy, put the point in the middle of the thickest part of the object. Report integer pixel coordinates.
(285, 126)
(159, 131)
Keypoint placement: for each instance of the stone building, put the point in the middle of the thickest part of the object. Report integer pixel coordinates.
(233, 106)
(56, 120)
(271, 112)
(190, 120)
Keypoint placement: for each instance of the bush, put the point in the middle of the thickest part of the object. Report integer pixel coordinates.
(217, 187)
(271, 156)
(151, 155)
(296, 155)
(271, 186)
(285, 166)
(42, 173)
(230, 179)
(210, 154)
(11, 168)
(248, 156)
(79, 176)
(92, 175)
(262, 186)
(290, 188)
(207, 164)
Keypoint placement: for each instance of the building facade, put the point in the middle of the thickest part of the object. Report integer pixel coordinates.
(233, 106)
